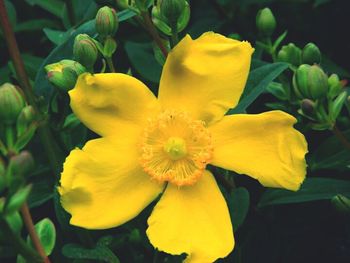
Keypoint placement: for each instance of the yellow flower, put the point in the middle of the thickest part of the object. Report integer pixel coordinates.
(151, 146)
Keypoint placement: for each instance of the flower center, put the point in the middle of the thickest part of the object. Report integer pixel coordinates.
(175, 148)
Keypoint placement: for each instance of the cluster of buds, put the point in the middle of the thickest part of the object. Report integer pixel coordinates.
(296, 56)
(322, 97)
(171, 15)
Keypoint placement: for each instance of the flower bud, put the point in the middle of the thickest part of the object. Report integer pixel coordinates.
(311, 54)
(109, 47)
(310, 82)
(64, 74)
(171, 10)
(335, 86)
(291, 54)
(85, 50)
(25, 118)
(307, 106)
(341, 203)
(106, 21)
(21, 164)
(265, 22)
(11, 103)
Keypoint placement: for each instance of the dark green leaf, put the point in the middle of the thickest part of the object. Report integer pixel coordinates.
(56, 36)
(55, 7)
(238, 203)
(313, 189)
(331, 154)
(41, 193)
(47, 234)
(258, 81)
(98, 253)
(34, 24)
(17, 200)
(142, 59)
(11, 11)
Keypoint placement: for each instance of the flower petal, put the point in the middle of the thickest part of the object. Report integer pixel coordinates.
(193, 220)
(108, 103)
(102, 185)
(205, 76)
(264, 146)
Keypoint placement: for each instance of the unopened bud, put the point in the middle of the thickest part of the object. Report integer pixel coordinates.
(106, 21)
(21, 164)
(311, 54)
(265, 22)
(25, 118)
(291, 54)
(171, 10)
(109, 47)
(307, 106)
(310, 82)
(85, 50)
(64, 74)
(11, 103)
(335, 86)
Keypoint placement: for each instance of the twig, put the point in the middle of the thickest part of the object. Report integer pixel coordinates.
(153, 32)
(50, 146)
(28, 221)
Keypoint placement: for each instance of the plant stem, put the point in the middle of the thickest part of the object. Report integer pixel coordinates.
(9, 135)
(110, 64)
(341, 137)
(18, 243)
(54, 155)
(28, 221)
(153, 32)
(174, 35)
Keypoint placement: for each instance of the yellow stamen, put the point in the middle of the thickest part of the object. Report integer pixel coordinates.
(175, 148)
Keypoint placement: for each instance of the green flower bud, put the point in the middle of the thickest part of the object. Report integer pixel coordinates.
(106, 21)
(21, 164)
(335, 86)
(311, 54)
(85, 50)
(11, 103)
(341, 203)
(265, 22)
(307, 106)
(310, 82)
(163, 24)
(171, 10)
(291, 54)
(25, 118)
(109, 47)
(64, 74)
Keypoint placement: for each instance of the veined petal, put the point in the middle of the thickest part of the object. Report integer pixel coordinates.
(206, 76)
(111, 102)
(264, 146)
(103, 186)
(193, 220)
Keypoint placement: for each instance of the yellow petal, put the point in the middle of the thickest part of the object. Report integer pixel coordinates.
(109, 103)
(193, 220)
(264, 146)
(205, 76)
(102, 185)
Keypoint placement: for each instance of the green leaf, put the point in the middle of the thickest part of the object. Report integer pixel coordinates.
(25, 138)
(34, 24)
(238, 203)
(142, 59)
(331, 154)
(56, 36)
(47, 234)
(55, 7)
(312, 189)
(41, 193)
(101, 253)
(11, 11)
(258, 80)
(17, 199)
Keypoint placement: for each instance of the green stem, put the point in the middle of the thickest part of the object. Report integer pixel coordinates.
(174, 35)
(110, 64)
(18, 243)
(10, 136)
(55, 156)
